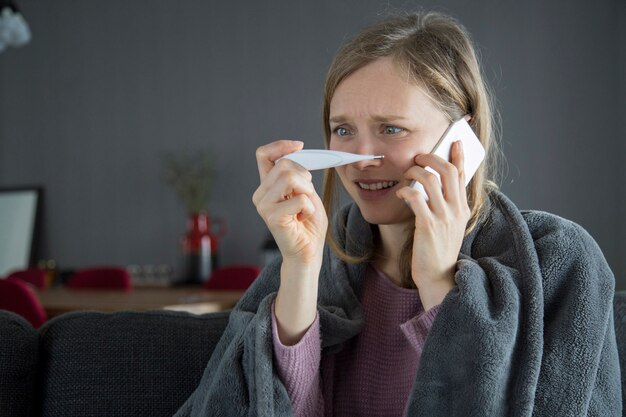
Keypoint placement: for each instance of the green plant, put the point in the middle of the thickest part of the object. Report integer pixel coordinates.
(191, 175)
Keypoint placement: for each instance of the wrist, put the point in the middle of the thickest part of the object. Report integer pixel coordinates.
(296, 301)
(299, 281)
(432, 293)
(299, 267)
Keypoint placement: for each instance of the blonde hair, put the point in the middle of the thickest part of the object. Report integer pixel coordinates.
(437, 53)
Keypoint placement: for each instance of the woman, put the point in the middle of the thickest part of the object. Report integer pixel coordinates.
(462, 305)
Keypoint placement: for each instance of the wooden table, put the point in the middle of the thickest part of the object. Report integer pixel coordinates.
(59, 300)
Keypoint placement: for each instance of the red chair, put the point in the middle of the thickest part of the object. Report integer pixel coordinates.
(232, 278)
(34, 276)
(108, 278)
(18, 297)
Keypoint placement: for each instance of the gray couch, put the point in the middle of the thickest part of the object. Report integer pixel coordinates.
(123, 364)
(91, 364)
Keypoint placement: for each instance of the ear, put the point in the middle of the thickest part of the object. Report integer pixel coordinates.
(467, 117)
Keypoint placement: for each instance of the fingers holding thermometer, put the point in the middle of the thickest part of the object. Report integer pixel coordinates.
(288, 203)
(267, 154)
(283, 180)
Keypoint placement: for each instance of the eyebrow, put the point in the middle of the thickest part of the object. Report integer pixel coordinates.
(378, 118)
(388, 118)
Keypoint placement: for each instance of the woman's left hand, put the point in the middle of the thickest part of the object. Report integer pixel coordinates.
(439, 223)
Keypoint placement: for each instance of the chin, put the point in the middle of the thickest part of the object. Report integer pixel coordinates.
(385, 215)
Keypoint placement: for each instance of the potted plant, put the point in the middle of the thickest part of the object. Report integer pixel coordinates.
(191, 175)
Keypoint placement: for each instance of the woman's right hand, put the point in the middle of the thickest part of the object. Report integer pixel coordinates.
(295, 215)
(289, 204)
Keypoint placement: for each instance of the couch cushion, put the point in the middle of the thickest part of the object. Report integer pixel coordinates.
(124, 364)
(18, 365)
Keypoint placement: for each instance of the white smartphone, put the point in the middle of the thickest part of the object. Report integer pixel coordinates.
(473, 151)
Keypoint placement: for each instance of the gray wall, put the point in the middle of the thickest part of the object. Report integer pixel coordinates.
(619, 261)
(105, 87)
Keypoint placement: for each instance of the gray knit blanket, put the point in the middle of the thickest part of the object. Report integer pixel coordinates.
(528, 329)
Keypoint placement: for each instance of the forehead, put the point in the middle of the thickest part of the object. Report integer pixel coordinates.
(378, 89)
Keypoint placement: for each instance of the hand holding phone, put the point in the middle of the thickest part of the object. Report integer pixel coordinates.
(473, 151)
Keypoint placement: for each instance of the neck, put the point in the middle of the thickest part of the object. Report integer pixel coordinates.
(392, 238)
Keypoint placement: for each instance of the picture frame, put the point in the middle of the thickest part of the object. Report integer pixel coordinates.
(20, 227)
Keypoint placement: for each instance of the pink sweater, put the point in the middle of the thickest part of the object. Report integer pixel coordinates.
(373, 374)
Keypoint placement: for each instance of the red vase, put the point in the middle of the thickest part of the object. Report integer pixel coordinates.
(196, 249)
(217, 229)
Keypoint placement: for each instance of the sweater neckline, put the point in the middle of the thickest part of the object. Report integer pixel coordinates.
(387, 282)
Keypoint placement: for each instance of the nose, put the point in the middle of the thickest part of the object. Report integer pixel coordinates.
(367, 147)
(361, 165)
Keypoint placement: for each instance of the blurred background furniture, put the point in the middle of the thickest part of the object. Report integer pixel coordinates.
(17, 296)
(34, 276)
(148, 362)
(59, 300)
(232, 278)
(101, 278)
(107, 290)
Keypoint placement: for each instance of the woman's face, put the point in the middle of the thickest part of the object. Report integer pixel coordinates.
(376, 110)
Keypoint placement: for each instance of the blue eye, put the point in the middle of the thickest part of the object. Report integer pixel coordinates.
(342, 131)
(392, 130)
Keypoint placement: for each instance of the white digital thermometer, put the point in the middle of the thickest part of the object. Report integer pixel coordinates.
(312, 159)
(473, 151)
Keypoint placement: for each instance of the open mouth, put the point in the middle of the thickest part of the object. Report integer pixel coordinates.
(374, 186)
